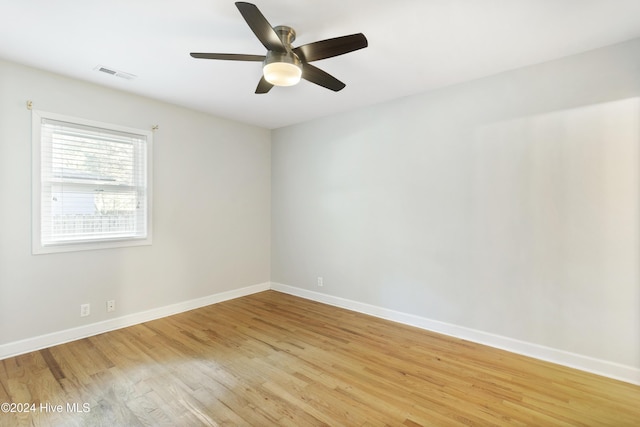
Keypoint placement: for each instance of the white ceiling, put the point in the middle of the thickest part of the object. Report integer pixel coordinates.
(414, 46)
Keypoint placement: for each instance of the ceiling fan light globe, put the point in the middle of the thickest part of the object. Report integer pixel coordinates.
(282, 73)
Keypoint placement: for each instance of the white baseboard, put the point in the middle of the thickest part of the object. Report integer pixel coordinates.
(43, 341)
(584, 363)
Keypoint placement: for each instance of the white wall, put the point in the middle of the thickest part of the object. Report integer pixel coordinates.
(508, 205)
(211, 207)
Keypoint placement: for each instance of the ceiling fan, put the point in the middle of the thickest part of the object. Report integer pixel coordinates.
(284, 65)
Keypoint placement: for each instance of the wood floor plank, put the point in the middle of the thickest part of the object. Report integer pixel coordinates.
(274, 359)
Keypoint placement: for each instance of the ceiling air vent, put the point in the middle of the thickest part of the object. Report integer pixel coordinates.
(111, 71)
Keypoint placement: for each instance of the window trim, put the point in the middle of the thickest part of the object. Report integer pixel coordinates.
(36, 187)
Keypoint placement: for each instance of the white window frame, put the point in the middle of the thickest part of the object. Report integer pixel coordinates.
(36, 190)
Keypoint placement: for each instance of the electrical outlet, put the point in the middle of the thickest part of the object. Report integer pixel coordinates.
(111, 305)
(85, 310)
(320, 281)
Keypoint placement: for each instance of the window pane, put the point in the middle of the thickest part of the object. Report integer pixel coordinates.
(82, 213)
(89, 160)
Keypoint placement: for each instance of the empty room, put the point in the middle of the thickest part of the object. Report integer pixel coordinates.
(363, 213)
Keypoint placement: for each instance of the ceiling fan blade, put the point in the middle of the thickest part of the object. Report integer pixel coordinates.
(228, 56)
(263, 86)
(331, 47)
(260, 26)
(322, 78)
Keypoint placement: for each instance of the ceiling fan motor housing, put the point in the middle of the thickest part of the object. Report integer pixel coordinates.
(283, 68)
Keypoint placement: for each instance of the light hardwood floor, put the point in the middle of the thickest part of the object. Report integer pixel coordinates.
(274, 359)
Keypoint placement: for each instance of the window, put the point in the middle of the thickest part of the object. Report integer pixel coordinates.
(91, 184)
